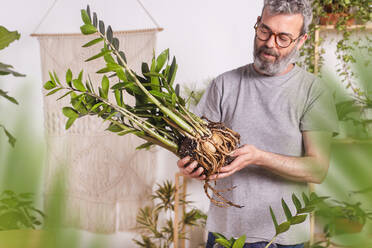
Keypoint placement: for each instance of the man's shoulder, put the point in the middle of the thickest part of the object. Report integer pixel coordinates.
(307, 76)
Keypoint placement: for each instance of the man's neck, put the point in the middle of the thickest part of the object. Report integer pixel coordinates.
(288, 69)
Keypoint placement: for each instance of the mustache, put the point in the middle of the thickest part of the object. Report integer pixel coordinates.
(267, 50)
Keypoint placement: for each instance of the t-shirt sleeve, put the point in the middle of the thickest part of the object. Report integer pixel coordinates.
(209, 105)
(320, 111)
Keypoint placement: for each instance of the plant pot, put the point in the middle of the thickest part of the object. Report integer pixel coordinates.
(344, 226)
(333, 18)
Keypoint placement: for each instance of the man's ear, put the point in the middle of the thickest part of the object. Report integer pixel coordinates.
(258, 18)
(302, 41)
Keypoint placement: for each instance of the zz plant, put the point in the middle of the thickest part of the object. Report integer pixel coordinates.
(159, 116)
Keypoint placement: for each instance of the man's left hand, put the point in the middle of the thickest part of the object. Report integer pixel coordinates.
(244, 156)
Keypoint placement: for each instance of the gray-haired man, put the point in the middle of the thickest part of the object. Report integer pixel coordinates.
(281, 112)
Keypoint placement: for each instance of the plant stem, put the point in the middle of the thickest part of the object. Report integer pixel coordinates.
(184, 125)
(271, 241)
(140, 123)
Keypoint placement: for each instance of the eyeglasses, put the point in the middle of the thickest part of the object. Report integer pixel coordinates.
(264, 33)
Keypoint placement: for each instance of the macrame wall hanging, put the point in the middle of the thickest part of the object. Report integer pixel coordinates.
(106, 179)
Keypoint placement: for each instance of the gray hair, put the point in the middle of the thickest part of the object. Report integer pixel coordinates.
(302, 7)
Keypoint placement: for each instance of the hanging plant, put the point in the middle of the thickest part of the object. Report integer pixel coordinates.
(159, 116)
(357, 10)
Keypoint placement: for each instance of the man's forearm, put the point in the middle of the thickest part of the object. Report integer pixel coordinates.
(300, 169)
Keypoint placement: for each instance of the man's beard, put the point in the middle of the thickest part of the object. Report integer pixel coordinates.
(272, 68)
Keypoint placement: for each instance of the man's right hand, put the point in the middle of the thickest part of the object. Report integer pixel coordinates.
(187, 168)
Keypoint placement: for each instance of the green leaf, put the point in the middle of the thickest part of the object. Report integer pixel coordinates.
(118, 86)
(218, 235)
(53, 91)
(78, 85)
(160, 95)
(96, 106)
(115, 43)
(287, 212)
(121, 75)
(11, 139)
(161, 59)
(122, 55)
(95, 20)
(93, 42)
(105, 85)
(283, 227)
(101, 27)
(49, 85)
(114, 67)
(70, 112)
(110, 116)
(172, 71)
(97, 56)
(296, 202)
(85, 17)
(223, 242)
(174, 99)
(69, 122)
(298, 219)
(5, 94)
(7, 37)
(88, 29)
(274, 219)
(119, 97)
(71, 91)
(109, 34)
(306, 199)
(109, 59)
(103, 70)
(88, 11)
(80, 77)
(146, 145)
(239, 243)
(306, 210)
(114, 128)
(4, 70)
(56, 78)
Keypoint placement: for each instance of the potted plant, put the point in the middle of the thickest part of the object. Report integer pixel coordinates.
(336, 11)
(341, 217)
(155, 223)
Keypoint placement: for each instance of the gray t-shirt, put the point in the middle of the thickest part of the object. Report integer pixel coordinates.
(269, 113)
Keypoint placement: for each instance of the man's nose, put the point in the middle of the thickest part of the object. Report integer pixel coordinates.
(270, 43)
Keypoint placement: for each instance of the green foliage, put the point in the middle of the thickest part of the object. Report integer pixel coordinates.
(302, 211)
(354, 9)
(231, 243)
(7, 37)
(17, 211)
(159, 115)
(157, 233)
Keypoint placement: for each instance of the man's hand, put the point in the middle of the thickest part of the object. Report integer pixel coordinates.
(188, 169)
(244, 156)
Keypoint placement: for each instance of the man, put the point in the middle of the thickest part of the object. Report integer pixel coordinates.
(285, 119)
